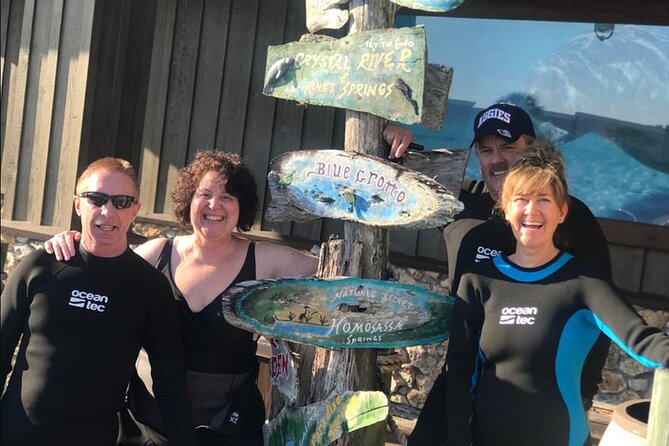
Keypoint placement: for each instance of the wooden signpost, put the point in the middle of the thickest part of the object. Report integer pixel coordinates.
(340, 313)
(309, 184)
(322, 423)
(380, 72)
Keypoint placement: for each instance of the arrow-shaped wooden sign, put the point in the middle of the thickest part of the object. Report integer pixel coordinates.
(340, 313)
(309, 184)
(380, 72)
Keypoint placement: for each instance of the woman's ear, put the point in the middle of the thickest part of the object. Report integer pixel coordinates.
(564, 210)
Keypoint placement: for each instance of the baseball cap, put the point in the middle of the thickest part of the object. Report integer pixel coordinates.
(507, 121)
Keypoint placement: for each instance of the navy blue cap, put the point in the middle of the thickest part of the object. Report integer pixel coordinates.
(507, 121)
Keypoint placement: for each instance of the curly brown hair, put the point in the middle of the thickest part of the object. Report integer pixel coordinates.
(240, 184)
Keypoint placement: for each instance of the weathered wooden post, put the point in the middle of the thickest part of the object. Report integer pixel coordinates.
(658, 417)
(364, 134)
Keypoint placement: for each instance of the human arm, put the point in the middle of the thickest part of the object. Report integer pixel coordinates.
(14, 310)
(274, 261)
(398, 138)
(620, 322)
(63, 247)
(462, 363)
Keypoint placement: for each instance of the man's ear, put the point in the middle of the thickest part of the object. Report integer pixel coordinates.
(77, 205)
(136, 209)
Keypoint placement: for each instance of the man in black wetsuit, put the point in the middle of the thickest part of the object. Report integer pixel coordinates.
(501, 133)
(81, 325)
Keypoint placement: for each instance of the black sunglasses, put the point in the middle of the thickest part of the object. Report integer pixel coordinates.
(99, 199)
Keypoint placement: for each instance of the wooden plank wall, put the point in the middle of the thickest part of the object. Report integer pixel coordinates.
(44, 74)
(71, 89)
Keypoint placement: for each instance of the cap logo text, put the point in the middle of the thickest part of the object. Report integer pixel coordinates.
(495, 113)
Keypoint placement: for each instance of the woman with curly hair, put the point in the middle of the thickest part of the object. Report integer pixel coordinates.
(216, 195)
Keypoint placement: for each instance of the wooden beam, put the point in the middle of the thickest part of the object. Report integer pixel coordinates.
(38, 139)
(14, 113)
(154, 121)
(658, 428)
(69, 103)
(634, 234)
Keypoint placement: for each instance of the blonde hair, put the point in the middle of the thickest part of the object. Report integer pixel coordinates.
(539, 165)
(112, 165)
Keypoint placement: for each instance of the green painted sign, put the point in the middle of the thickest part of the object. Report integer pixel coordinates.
(345, 312)
(322, 423)
(381, 72)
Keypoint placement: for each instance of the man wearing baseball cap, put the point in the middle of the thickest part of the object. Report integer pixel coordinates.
(501, 133)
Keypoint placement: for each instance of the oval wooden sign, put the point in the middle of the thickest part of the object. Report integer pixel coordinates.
(309, 184)
(341, 312)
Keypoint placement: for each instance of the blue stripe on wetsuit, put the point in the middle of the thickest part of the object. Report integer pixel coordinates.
(608, 332)
(576, 340)
(530, 276)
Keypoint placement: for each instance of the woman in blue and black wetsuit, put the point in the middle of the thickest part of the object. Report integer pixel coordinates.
(525, 323)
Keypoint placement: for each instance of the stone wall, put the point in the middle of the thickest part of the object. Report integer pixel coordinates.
(413, 370)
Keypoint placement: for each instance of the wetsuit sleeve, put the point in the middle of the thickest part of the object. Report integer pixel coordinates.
(462, 365)
(14, 306)
(618, 320)
(162, 342)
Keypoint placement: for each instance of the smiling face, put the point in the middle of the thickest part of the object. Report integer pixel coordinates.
(534, 216)
(104, 228)
(496, 155)
(214, 213)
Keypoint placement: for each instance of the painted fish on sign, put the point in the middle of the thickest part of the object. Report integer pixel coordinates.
(321, 423)
(341, 312)
(309, 184)
(381, 72)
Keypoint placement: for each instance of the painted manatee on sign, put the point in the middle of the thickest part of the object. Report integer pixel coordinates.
(309, 184)
(341, 312)
(430, 5)
(381, 72)
(321, 423)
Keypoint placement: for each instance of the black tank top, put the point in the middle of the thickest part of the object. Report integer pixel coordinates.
(210, 343)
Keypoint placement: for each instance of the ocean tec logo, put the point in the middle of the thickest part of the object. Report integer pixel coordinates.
(89, 301)
(483, 253)
(518, 316)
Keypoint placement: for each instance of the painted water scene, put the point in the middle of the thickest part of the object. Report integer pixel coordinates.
(341, 312)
